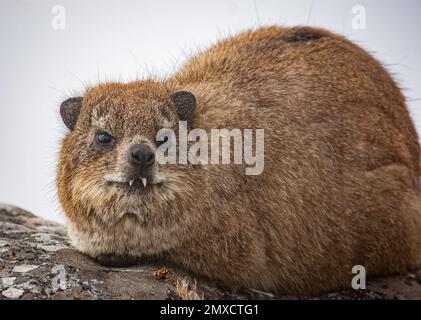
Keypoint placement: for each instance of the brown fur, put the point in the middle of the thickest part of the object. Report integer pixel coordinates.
(340, 185)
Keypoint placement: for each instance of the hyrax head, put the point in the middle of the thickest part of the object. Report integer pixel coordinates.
(108, 159)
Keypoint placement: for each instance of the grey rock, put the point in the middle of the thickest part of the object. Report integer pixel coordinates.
(12, 293)
(24, 268)
(37, 262)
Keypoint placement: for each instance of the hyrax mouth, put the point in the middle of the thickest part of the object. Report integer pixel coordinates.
(140, 184)
(144, 181)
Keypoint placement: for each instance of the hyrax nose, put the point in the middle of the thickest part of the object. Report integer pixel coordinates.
(141, 156)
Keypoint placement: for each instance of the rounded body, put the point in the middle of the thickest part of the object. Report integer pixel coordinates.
(340, 185)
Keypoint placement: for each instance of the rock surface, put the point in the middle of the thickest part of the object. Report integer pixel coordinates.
(37, 262)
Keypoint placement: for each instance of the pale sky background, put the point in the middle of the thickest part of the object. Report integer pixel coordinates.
(40, 66)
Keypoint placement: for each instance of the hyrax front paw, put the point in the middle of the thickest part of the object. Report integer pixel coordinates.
(116, 261)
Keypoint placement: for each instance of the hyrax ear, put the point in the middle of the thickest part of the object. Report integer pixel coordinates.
(69, 111)
(185, 103)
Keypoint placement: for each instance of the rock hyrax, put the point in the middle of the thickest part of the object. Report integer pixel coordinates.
(341, 179)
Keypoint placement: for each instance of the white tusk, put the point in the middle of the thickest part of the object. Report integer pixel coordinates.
(131, 182)
(144, 181)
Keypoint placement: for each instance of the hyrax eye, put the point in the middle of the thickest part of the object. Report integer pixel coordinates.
(104, 139)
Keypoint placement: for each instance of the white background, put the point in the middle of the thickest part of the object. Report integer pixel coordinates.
(40, 66)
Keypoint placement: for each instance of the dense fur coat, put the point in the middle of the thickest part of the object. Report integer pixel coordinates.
(340, 185)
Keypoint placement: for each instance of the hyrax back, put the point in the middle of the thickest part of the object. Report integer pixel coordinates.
(340, 185)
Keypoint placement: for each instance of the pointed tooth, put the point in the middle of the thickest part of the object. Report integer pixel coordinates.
(131, 182)
(144, 181)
